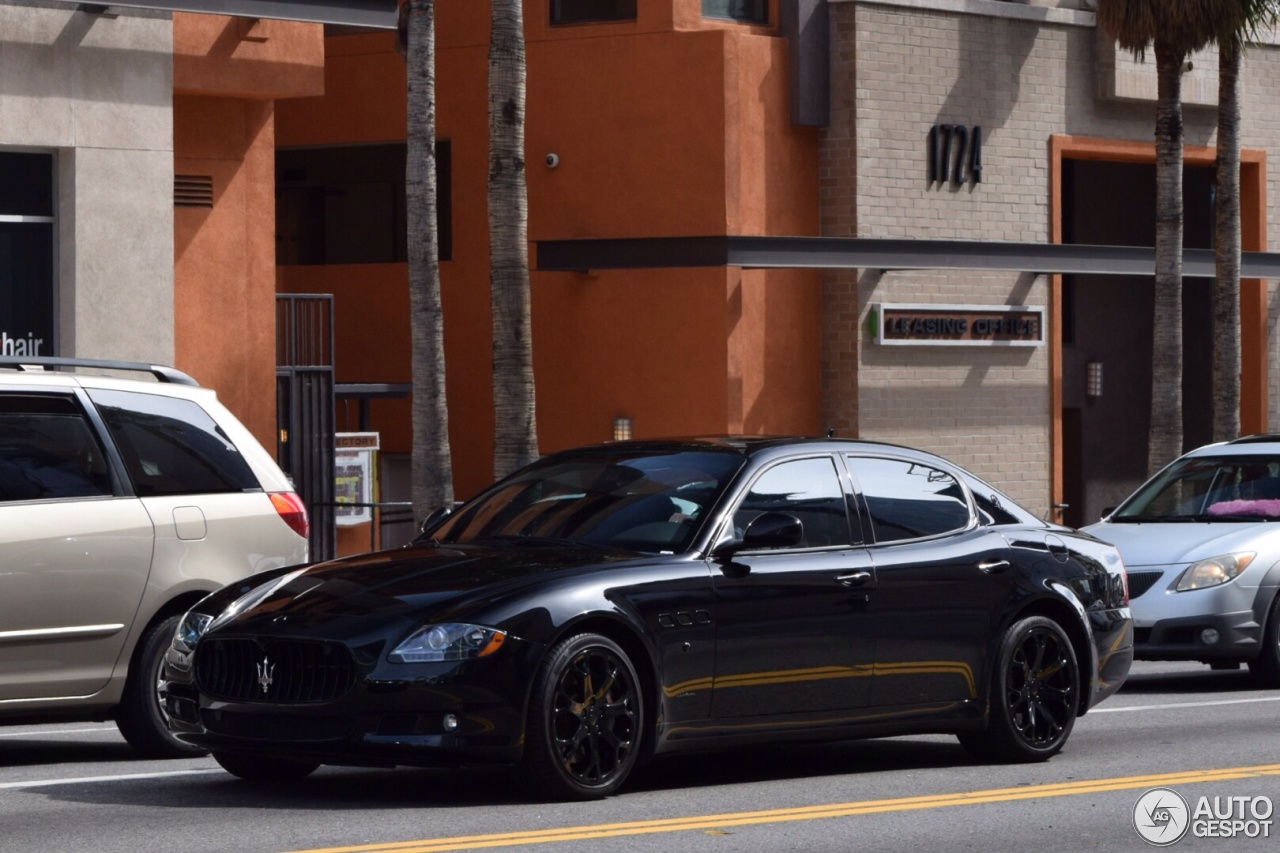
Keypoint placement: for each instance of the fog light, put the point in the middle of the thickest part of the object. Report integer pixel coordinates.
(450, 722)
(1209, 636)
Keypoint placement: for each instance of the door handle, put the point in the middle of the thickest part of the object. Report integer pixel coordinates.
(993, 567)
(854, 579)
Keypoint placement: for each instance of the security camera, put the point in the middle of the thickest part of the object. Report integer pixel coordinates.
(552, 160)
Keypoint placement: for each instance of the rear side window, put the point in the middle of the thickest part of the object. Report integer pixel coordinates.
(908, 500)
(171, 446)
(48, 450)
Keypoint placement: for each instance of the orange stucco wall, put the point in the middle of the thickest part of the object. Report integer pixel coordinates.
(247, 57)
(227, 71)
(679, 128)
(224, 256)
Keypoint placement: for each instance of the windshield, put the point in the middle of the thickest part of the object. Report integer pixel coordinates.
(1224, 488)
(640, 501)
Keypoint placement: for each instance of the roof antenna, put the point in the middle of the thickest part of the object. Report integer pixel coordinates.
(831, 432)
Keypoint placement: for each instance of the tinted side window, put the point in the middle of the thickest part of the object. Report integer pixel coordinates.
(908, 500)
(810, 490)
(48, 450)
(172, 446)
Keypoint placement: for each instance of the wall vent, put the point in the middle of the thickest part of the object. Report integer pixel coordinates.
(193, 191)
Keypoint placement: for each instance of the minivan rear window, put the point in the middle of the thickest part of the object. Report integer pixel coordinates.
(172, 446)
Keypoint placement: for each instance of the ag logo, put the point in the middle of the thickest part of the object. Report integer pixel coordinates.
(1161, 817)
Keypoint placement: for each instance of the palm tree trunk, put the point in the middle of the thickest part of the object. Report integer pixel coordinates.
(1165, 442)
(1226, 226)
(515, 436)
(432, 480)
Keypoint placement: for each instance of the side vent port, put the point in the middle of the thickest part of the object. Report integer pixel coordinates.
(193, 191)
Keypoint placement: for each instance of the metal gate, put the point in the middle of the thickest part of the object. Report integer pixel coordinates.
(304, 408)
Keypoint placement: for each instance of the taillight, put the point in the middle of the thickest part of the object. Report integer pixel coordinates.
(292, 510)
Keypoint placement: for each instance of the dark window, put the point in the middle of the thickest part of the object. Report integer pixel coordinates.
(26, 184)
(48, 450)
(582, 11)
(346, 204)
(171, 446)
(26, 254)
(754, 11)
(810, 490)
(908, 500)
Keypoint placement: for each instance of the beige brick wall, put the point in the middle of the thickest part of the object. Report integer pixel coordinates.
(1022, 75)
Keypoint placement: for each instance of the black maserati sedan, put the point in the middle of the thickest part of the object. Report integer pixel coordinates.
(612, 603)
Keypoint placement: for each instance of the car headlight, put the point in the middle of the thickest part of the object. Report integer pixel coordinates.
(193, 624)
(1214, 571)
(448, 641)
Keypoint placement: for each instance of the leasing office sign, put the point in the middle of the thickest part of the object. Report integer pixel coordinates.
(957, 325)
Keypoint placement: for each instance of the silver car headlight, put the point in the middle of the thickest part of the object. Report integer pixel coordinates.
(1214, 571)
(448, 641)
(193, 624)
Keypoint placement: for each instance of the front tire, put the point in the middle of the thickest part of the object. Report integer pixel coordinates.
(585, 721)
(1034, 695)
(1265, 668)
(259, 768)
(141, 717)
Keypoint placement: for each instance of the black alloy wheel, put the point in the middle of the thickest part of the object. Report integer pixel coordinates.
(585, 721)
(1035, 695)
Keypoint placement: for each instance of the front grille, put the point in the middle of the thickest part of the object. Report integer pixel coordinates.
(1140, 582)
(284, 671)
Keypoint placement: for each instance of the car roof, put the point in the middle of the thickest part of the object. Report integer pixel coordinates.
(750, 445)
(1249, 445)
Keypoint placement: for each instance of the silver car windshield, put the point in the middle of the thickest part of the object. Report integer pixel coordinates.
(1207, 488)
(638, 501)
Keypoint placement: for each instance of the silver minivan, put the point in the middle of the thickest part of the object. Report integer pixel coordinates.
(123, 501)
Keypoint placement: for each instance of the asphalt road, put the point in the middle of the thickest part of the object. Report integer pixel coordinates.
(1183, 727)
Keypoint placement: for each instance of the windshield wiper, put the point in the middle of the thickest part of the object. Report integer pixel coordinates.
(1153, 519)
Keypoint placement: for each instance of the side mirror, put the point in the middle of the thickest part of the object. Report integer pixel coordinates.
(767, 531)
(433, 520)
(1107, 510)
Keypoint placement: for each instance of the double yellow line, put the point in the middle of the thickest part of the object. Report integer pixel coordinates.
(731, 819)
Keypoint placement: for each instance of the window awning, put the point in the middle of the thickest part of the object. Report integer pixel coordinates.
(378, 14)
(876, 253)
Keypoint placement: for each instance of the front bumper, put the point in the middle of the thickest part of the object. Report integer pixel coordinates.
(1239, 638)
(393, 714)
(1170, 625)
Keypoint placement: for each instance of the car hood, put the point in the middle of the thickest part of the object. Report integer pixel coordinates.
(1171, 543)
(407, 582)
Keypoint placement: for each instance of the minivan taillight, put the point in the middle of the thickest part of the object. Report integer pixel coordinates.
(292, 510)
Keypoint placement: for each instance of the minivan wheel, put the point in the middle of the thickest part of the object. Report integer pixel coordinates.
(141, 717)
(1034, 695)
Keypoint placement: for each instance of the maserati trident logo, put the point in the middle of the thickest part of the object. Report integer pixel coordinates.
(265, 669)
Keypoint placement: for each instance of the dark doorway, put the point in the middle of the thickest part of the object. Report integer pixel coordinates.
(1107, 323)
(305, 408)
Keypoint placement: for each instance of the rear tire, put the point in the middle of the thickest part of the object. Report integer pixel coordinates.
(141, 717)
(1265, 668)
(585, 721)
(262, 768)
(1034, 695)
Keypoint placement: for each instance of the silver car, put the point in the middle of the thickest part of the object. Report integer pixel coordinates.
(1201, 541)
(123, 501)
